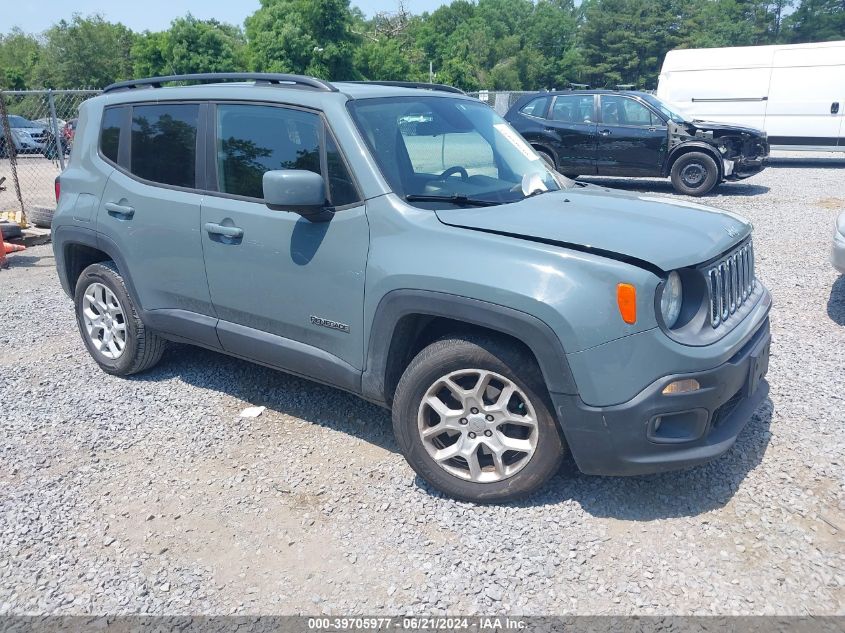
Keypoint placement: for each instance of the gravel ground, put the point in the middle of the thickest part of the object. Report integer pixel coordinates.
(152, 495)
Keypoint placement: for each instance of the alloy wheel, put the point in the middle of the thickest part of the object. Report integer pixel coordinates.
(105, 320)
(478, 425)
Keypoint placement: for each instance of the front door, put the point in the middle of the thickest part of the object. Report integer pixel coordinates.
(571, 124)
(288, 291)
(632, 138)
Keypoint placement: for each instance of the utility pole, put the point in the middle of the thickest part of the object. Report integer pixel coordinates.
(431, 72)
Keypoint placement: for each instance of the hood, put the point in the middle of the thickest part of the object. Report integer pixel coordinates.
(657, 232)
(715, 126)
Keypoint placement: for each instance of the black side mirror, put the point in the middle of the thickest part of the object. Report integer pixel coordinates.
(297, 190)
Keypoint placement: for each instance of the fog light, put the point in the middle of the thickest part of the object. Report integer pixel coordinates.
(681, 386)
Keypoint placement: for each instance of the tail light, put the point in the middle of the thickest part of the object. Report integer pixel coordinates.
(58, 185)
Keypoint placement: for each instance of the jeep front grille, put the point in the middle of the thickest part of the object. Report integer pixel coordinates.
(731, 282)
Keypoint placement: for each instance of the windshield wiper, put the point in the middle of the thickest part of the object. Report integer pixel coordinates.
(454, 199)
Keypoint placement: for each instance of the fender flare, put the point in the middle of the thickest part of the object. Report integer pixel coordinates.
(69, 235)
(397, 304)
(698, 145)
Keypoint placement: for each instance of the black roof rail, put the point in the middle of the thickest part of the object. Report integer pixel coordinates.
(270, 78)
(412, 84)
(626, 86)
(579, 86)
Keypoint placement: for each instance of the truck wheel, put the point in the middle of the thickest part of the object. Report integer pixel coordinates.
(109, 323)
(473, 418)
(695, 174)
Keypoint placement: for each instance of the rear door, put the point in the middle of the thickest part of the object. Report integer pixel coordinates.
(807, 97)
(150, 207)
(288, 291)
(571, 125)
(632, 138)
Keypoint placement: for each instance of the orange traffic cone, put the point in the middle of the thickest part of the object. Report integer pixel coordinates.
(12, 248)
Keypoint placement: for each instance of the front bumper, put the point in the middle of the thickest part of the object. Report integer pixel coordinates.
(741, 168)
(693, 428)
(837, 253)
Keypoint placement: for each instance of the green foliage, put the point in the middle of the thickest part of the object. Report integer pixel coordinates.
(473, 44)
(302, 36)
(189, 46)
(83, 53)
(19, 54)
(816, 21)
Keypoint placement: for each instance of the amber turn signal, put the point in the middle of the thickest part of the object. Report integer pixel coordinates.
(626, 298)
(681, 386)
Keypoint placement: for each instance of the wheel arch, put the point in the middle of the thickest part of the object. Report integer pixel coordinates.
(540, 147)
(76, 248)
(694, 146)
(407, 320)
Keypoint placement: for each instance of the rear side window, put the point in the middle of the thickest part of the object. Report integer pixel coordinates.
(535, 107)
(110, 132)
(253, 139)
(164, 141)
(572, 109)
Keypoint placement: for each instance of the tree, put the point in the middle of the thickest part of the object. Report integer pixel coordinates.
(19, 54)
(302, 36)
(624, 41)
(816, 21)
(85, 52)
(189, 46)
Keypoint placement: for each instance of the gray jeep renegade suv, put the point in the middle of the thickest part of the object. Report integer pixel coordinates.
(402, 242)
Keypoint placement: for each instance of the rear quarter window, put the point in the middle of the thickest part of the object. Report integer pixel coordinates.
(110, 132)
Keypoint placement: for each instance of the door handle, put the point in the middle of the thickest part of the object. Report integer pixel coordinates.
(119, 210)
(834, 107)
(225, 231)
(605, 132)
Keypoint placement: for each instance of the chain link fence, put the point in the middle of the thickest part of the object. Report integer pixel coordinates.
(36, 136)
(500, 100)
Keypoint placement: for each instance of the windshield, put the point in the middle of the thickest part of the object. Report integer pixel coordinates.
(665, 109)
(443, 148)
(19, 121)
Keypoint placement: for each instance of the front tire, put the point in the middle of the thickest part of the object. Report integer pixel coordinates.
(695, 174)
(109, 323)
(472, 417)
(547, 158)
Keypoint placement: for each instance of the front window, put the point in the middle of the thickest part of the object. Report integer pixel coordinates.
(451, 151)
(665, 109)
(624, 111)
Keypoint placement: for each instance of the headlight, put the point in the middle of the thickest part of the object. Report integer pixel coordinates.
(671, 299)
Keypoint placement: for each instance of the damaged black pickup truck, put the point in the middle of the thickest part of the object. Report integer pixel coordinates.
(630, 133)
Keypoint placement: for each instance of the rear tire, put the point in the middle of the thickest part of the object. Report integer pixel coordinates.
(496, 417)
(109, 323)
(695, 174)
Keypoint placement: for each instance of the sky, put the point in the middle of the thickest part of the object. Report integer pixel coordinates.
(155, 15)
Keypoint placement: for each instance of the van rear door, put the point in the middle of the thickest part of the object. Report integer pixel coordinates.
(807, 97)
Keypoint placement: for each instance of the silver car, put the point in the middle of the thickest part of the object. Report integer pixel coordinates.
(837, 253)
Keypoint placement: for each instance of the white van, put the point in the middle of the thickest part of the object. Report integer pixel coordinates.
(795, 92)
